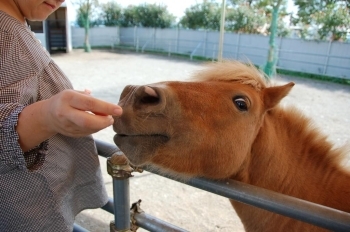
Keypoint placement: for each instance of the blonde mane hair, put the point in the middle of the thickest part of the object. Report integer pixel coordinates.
(244, 73)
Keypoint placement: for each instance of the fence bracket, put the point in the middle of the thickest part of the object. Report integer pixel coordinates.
(135, 209)
(118, 167)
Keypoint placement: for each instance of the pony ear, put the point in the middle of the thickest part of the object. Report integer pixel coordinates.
(273, 95)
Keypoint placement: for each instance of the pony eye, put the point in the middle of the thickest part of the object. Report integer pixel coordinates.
(240, 103)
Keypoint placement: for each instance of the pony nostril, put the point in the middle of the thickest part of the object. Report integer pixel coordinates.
(150, 97)
(146, 96)
(149, 100)
(151, 91)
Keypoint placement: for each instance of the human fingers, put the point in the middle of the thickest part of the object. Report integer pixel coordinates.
(86, 102)
(88, 92)
(80, 123)
(85, 91)
(60, 117)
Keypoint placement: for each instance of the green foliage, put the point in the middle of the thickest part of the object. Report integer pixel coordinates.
(202, 16)
(86, 12)
(148, 15)
(329, 18)
(255, 16)
(111, 14)
(129, 18)
(245, 19)
(333, 21)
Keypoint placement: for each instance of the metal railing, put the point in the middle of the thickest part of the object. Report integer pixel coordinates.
(127, 219)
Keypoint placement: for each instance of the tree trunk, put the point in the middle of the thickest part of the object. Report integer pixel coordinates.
(270, 67)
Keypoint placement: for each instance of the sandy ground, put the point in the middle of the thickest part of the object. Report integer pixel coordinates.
(106, 73)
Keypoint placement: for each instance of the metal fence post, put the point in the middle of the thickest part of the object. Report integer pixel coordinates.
(169, 50)
(154, 38)
(135, 34)
(205, 44)
(327, 57)
(177, 39)
(137, 44)
(120, 170)
(238, 42)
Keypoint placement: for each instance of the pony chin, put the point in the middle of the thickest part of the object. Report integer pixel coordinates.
(182, 177)
(139, 153)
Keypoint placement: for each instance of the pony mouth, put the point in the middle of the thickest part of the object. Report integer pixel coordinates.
(155, 136)
(139, 149)
(141, 139)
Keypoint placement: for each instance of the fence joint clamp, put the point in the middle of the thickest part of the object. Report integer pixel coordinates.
(118, 167)
(135, 209)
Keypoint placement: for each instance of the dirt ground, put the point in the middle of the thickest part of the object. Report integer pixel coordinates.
(106, 73)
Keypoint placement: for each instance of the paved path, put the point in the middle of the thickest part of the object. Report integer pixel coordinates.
(106, 73)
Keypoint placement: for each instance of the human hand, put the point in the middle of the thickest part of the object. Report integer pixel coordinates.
(76, 113)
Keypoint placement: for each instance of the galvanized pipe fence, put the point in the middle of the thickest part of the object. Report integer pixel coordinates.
(129, 218)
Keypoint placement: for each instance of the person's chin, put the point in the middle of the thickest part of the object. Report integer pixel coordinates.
(40, 17)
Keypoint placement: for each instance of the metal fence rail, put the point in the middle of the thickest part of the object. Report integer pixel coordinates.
(309, 212)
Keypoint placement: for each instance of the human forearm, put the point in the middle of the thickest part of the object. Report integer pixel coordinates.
(31, 126)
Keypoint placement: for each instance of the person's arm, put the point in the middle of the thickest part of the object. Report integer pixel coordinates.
(67, 113)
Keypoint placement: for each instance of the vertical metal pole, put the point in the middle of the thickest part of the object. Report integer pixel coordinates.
(214, 48)
(135, 34)
(177, 39)
(327, 58)
(154, 38)
(121, 197)
(137, 44)
(238, 44)
(222, 29)
(169, 50)
(120, 170)
(205, 44)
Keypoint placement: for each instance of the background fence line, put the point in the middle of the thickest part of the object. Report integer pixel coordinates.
(314, 57)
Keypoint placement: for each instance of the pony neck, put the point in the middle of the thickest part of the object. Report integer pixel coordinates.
(291, 157)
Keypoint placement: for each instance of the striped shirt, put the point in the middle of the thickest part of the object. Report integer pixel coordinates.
(42, 189)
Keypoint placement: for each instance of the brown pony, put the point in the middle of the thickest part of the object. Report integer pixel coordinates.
(227, 123)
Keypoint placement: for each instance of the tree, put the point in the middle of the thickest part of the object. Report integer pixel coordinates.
(333, 22)
(329, 18)
(254, 13)
(85, 10)
(148, 15)
(202, 16)
(129, 18)
(111, 14)
(270, 66)
(81, 20)
(245, 19)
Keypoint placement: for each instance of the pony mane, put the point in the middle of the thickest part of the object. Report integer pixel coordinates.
(337, 155)
(235, 71)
